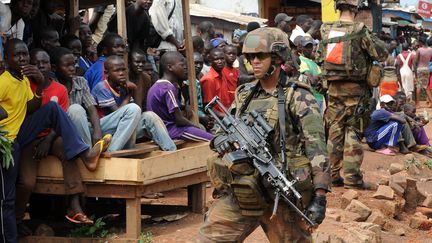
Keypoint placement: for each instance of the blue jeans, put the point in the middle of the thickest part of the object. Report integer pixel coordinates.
(121, 123)
(151, 125)
(48, 116)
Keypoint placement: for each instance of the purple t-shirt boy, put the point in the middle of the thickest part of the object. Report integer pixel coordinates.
(162, 99)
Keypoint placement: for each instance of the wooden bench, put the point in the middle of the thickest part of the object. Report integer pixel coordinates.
(147, 170)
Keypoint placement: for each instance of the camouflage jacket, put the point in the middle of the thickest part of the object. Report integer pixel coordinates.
(305, 137)
(359, 48)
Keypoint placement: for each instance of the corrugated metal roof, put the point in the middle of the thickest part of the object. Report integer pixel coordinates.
(203, 11)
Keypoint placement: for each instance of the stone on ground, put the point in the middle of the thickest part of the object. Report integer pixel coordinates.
(410, 195)
(357, 207)
(384, 192)
(392, 208)
(347, 197)
(421, 222)
(399, 232)
(425, 211)
(384, 180)
(400, 179)
(397, 189)
(395, 168)
(427, 202)
(353, 232)
(376, 217)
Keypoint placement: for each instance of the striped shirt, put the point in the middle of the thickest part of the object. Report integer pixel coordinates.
(80, 93)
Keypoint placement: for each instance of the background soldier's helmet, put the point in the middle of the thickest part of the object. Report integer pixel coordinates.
(267, 40)
(354, 3)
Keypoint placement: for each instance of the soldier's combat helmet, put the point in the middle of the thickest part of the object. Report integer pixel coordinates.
(267, 40)
(355, 4)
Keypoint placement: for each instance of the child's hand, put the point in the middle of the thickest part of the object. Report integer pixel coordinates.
(130, 86)
(34, 74)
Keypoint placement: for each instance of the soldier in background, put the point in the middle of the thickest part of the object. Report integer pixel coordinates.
(240, 210)
(347, 52)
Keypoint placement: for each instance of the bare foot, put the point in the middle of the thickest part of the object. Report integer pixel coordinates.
(91, 156)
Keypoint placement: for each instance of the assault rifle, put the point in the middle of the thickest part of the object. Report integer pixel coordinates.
(250, 135)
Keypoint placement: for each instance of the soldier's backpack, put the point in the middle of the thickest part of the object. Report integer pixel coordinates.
(343, 57)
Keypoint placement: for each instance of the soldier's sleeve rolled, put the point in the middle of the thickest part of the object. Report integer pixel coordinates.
(307, 111)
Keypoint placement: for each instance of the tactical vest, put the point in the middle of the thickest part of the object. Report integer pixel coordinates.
(344, 58)
(244, 181)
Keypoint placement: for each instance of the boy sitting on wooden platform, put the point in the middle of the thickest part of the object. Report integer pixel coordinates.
(25, 120)
(48, 142)
(114, 94)
(163, 99)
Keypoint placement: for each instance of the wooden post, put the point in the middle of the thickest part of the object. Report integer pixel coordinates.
(190, 60)
(73, 11)
(197, 197)
(121, 18)
(121, 23)
(133, 217)
(74, 8)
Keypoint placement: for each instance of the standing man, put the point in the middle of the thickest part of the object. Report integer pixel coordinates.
(282, 21)
(237, 213)
(167, 19)
(406, 62)
(346, 70)
(423, 57)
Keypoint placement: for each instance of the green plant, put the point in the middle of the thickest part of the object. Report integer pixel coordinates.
(96, 230)
(146, 237)
(428, 163)
(412, 162)
(5, 149)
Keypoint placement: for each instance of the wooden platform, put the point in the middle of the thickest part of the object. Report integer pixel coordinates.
(149, 171)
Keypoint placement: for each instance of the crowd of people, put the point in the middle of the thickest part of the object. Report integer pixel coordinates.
(66, 90)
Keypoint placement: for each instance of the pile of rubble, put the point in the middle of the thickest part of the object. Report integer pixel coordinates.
(398, 191)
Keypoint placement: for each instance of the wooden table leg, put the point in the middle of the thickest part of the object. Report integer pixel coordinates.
(197, 197)
(133, 218)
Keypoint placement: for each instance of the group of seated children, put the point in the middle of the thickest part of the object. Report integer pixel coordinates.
(395, 127)
(47, 109)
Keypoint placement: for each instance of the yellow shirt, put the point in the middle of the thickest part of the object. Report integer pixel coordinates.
(14, 95)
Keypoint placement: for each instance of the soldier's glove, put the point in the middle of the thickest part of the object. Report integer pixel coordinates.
(220, 144)
(317, 208)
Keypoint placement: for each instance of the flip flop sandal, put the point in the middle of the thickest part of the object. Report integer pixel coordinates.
(79, 218)
(103, 143)
(386, 151)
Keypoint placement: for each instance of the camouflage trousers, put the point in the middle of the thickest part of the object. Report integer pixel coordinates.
(225, 223)
(344, 141)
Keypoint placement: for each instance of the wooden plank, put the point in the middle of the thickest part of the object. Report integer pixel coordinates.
(176, 175)
(169, 163)
(135, 151)
(141, 148)
(54, 239)
(92, 190)
(122, 169)
(190, 60)
(197, 197)
(133, 217)
(175, 183)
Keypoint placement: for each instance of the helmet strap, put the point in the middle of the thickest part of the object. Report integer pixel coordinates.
(270, 71)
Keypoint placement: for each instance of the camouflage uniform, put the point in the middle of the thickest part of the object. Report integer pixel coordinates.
(348, 95)
(306, 150)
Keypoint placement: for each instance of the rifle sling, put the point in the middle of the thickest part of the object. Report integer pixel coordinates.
(281, 117)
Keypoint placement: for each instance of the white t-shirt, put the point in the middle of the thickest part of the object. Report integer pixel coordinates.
(298, 31)
(159, 12)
